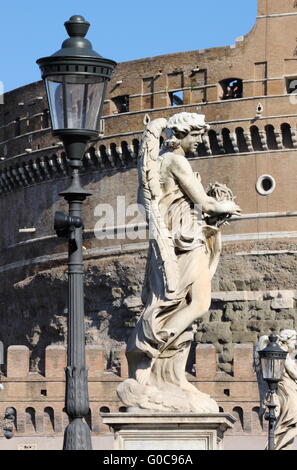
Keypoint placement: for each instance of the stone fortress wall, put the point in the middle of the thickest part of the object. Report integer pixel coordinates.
(251, 147)
(39, 399)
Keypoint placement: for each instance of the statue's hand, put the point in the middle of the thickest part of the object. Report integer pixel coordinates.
(229, 207)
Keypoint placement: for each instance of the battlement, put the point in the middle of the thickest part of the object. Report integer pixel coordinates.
(39, 399)
(18, 360)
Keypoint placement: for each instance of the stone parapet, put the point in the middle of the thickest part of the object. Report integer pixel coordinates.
(39, 399)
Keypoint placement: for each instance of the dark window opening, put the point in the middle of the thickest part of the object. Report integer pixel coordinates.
(30, 419)
(176, 98)
(227, 392)
(292, 85)
(43, 392)
(49, 418)
(45, 119)
(104, 409)
(231, 88)
(241, 142)
(228, 146)
(121, 103)
(17, 126)
(213, 141)
(287, 136)
(239, 415)
(271, 139)
(256, 139)
(267, 184)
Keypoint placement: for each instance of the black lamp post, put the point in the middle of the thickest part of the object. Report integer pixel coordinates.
(272, 364)
(75, 79)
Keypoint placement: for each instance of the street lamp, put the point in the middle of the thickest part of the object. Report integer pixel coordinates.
(8, 422)
(75, 79)
(272, 364)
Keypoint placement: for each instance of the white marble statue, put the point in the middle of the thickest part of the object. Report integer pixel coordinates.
(184, 249)
(286, 397)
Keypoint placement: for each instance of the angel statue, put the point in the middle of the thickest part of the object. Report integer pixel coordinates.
(185, 243)
(286, 397)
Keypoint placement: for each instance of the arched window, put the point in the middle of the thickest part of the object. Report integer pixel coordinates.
(104, 409)
(241, 142)
(49, 419)
(115, 155)
(231, 88)
(135, 143)
(271, 139)
(238, 413)
(30, 422)
(213, 141)
(227, 141)
(256, 139)
(287, 136)
(103, 155)
(125, 150)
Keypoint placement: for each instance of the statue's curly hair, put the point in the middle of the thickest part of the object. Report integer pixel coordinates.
(179, 125)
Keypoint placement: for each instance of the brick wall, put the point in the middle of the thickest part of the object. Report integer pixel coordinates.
(39, 399)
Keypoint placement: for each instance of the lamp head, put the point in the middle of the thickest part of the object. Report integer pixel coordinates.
(272, 361)
(75, 77)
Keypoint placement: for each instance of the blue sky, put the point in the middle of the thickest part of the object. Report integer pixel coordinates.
(120, 30)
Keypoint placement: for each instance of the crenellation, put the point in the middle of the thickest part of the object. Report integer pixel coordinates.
(17, 361)
(206, 354)
(95, 360)
(44, 415)
(243, 361)
(55, 361)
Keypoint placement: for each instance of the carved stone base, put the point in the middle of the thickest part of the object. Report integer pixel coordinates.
(156, 431)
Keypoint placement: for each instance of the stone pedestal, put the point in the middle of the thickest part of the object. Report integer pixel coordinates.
(159, 431)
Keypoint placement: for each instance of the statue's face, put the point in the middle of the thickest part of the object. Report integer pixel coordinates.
(191, 141)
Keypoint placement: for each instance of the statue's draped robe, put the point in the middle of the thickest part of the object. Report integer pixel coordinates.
(286, 426)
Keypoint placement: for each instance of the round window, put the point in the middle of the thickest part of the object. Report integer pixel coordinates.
(265, 185)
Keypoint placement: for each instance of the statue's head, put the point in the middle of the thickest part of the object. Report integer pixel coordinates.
(185, 130)
(288, 339)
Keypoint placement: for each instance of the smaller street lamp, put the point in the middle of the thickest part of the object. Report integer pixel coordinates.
(75, 78)
(8, 422)
(272, 364)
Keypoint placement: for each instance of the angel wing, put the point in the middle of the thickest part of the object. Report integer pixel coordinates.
(263, 388)
(149, 196)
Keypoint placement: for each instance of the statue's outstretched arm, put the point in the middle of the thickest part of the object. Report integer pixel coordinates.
(183, 173)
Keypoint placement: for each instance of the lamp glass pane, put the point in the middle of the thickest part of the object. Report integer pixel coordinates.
(54, 90)
(75, 101)
(272, 368)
